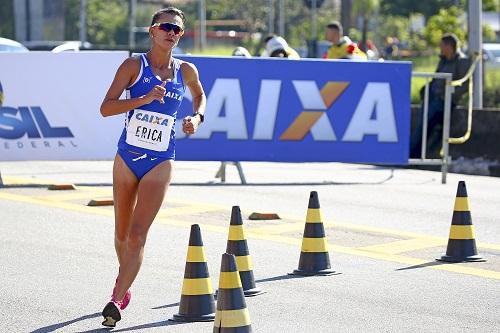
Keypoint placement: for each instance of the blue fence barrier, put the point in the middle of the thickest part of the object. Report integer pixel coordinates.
(300, 111)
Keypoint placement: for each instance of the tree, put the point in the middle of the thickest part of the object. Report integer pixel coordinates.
(447, 20)
(7, 20)
(364, 9)
(407, 7)
(107, 22)
(346, 14)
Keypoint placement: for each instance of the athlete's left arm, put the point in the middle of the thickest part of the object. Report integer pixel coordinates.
(192, 81)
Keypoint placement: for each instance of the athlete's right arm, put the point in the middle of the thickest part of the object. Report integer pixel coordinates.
(124, 77)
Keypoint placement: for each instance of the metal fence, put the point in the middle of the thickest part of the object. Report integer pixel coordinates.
(450, 85)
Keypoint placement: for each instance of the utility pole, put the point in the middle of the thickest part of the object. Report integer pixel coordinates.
(83, 21)
(475, 42)
(282, 18)
(270, 23)
(345, 14)
(203, 24)
(314, 18)
(132, 8)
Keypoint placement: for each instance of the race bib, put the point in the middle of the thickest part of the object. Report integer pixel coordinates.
(149, 130)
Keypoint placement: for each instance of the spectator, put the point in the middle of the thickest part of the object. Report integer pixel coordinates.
(452, 60)
(276, 46)
(392, 47)
(342, 46)
(240, 51)
(372, 52)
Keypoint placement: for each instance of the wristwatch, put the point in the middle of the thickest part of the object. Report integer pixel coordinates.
(202, 117)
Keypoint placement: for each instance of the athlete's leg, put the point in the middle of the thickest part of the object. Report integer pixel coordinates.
(125, 186)
(151, 191)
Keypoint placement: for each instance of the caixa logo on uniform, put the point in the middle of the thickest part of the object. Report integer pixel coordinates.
(19, 123)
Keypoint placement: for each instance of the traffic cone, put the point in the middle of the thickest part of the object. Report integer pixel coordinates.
(232, 314)
(314, 258)
(461, 242)
(197, 300)
(237, 245)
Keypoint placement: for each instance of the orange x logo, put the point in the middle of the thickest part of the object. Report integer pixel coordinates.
(315, 106)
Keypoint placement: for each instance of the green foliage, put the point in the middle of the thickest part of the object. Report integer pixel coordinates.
(447, 20)
(407, 7)
(491, 94)
(364, 7)
(429, 7)
(491, 5)
(489, 34)
(298, 22)
(394, 26)
(7, 20)
(107, 22)
(72, 19)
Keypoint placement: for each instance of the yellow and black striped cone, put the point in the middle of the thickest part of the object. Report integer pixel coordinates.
(237, 245)
(197, 299)
(461, 243)
(314, 257)
(232, 314)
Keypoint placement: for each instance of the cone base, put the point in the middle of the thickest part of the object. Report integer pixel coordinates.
(475, 258)
(322, 272)
(252, 292)
(188, 319)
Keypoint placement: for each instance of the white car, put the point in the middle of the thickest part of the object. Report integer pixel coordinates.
(491, 55)
(9, 45)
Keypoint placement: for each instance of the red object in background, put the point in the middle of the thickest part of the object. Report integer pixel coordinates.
(351, 48)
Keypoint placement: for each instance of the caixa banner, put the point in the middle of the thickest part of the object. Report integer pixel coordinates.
(299, 111)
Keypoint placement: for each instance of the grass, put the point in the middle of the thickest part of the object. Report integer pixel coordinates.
(491, 87)
(421, 64)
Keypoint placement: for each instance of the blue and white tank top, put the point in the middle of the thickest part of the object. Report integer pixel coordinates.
(150, 129)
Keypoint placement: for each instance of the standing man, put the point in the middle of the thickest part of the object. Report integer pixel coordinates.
(342, 46)
(454, 61)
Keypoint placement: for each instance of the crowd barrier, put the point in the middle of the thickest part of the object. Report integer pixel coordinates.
(257, 109)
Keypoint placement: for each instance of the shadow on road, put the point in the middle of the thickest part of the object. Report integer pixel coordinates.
(280, 277)
(150, 325)
(166, 306)
(54, 327)
(427, 264)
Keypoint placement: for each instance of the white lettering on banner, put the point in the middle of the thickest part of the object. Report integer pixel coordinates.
(311, 99)
(309, 95)
(225, 94)
(323, 130)
(374, 114)
(377, 101)
(267, 109)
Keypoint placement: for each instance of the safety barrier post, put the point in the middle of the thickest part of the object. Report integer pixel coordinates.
(446, 128)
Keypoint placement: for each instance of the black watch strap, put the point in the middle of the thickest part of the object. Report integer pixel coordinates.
(202, 117)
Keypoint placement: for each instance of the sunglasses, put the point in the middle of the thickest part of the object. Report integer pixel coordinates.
(167, 27)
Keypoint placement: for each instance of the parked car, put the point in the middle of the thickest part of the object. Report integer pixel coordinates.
(491, 55)
(9, 45)
(72, 45)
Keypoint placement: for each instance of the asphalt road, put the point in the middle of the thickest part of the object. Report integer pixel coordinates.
(384, 226)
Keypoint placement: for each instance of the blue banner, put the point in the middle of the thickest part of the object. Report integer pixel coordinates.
(268, 109)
